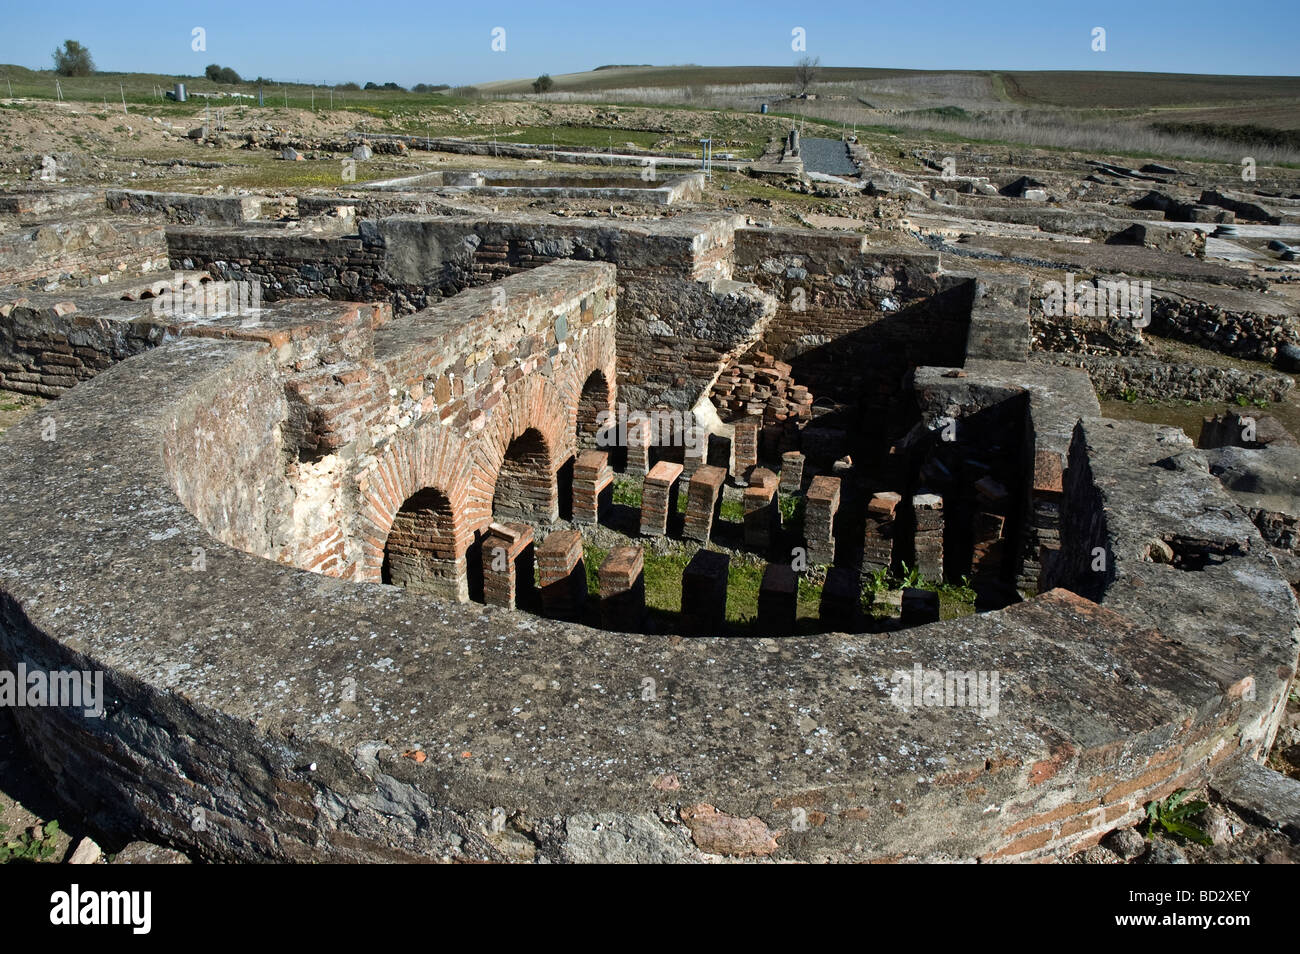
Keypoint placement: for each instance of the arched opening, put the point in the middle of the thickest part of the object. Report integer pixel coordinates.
(596, 397)
(420, 552)
(525, 489)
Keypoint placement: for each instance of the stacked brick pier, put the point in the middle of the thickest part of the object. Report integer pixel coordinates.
(791, 472)
(622, 590)
(638, 447)
(987, 532)
(704, 593)
(821, 504)
(562, 574)
(508, 564)
(841, 605)
(761, 514)
(659, 498)
(1043, 530)
(927, 509)
(744, 449)
(593, 486)
(920, 607)
(702, 502)
(778, 600)
(878, 532)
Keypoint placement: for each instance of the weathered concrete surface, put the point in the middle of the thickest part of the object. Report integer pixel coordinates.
(1261, 793)
(381, 724)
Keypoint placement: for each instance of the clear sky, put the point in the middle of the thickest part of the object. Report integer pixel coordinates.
(432, 42)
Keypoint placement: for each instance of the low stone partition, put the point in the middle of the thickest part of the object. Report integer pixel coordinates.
(83, 252)
(1147, 378)
(351, 721)
(186, 208)
(703, 499)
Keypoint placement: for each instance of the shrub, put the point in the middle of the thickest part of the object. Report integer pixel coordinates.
(543, 83)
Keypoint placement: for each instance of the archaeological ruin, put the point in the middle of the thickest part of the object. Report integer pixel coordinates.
(404, 525)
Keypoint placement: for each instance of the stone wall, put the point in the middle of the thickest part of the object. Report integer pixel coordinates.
(1147, 378)
(852, 319)
(81, 252)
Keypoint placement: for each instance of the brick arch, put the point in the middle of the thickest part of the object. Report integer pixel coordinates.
(595, 352)
(425, 457)
(532, 403)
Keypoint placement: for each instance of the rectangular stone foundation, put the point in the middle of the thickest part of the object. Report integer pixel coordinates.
(778, 600)
(507, 564)
(593, 482)
(702, 502)
(928, 512)
(704, 593)
(562, 574)
(821, 504)
(622, 590)
(659, 498)
(878, 532)
(761, 514)
(791, 472)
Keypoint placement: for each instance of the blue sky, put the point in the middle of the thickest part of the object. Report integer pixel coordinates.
(410, 42)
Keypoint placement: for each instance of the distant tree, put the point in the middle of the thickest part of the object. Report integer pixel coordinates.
(221, 74)
(73, 60)
(429, 87)
(543, 83)
(805, 72)
(347, 87)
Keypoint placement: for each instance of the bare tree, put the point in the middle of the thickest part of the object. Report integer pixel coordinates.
(805, 72)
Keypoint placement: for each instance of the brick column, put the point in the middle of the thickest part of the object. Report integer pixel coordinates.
(693, 458)
(744, 449)
(761, 514)
(1043, 528)
(704, 593)
(507, 563)
(920, 607)
(659, 498)
(841, 605)
(778, 600)
(702, 502)
(638, 447)
(593, 479)
(878, 533)
(791, 472)
(820, 505)
(928, 511)
(562, 574)
(622, 590)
